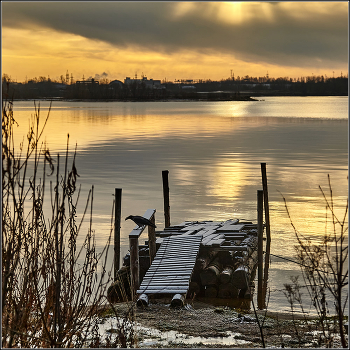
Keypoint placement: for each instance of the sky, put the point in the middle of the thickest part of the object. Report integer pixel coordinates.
(173, 40)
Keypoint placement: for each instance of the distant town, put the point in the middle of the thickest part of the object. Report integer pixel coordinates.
(144, 89)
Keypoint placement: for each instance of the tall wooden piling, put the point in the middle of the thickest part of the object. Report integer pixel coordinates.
(152, 240)
(268, 234)
(261, 303)
(134, 265)
(165, 175)
(117, 217)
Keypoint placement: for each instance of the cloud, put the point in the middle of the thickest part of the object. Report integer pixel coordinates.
(295, 34)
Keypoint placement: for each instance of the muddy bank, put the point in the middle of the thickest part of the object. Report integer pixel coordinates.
(203, 325)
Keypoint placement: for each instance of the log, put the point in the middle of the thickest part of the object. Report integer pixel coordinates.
(226, 275)
(227, 290)
(142, 301)
(204, 258)
(178, 300)
(211, 274)
(194, 288)
(211, 291)
(241, 277)
(245, 266)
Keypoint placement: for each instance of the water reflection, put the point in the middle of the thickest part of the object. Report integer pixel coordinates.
(213, 152)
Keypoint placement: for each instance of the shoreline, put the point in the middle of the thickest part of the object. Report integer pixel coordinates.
(199, 324)
(243, 99)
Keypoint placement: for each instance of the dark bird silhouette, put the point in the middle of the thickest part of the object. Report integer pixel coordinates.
(140, 221)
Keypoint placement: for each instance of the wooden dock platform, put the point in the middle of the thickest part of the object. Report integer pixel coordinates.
(217, 259)
(172, 267)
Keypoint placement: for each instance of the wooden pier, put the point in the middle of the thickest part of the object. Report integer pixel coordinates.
(212, 259)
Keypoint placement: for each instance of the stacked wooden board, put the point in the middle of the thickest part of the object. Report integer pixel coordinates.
(172, 268)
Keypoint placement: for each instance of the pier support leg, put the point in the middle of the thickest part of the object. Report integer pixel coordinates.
(268, 233)
(165, 174)
(134, 266)
(152, 240)
(117, 216)
(261, 304)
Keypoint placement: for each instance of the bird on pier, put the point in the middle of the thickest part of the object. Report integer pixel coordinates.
(140, 221)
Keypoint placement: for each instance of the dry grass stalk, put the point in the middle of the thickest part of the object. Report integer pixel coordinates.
(52, 284)
(324, 269)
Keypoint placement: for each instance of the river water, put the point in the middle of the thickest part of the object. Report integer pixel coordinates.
(213, 152)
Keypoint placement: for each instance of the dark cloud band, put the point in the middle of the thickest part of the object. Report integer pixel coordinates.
(293, 36)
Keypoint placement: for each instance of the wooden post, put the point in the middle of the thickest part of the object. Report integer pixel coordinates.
(134, 265)
(260, 249)
(165, 174)
(117, 216)
(268, 234)
(152, 240)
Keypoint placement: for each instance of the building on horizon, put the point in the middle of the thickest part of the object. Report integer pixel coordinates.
(149, 84)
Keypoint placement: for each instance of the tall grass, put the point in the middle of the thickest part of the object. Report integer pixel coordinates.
(51, 284)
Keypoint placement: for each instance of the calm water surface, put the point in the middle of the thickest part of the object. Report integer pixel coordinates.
(213, 152)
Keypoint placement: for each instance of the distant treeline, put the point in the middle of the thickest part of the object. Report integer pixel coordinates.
(229, 89)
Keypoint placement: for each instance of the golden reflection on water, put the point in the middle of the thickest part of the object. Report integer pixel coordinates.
(87, 132)
(229, 179)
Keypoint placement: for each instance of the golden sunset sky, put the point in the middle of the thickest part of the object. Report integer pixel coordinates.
(174, 40)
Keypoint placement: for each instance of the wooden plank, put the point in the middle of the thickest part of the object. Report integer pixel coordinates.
(206, 233)
(168, 255)
(166, 284)
(166, 279)
(231, 248)
(136, 232)
(189, 232)
(197, 227)
(174, 265)
(216, 243)
(164, 291)
(165, 288)
(174, 247)
(209, 238)
(233, 228)
(181, 239)
(216, 236)
(231, 222)
(168, 271)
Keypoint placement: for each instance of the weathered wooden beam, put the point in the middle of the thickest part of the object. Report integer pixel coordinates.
(152, 240)
(268, 234)
(117, 218)
(134, 265)
(261, 304)
(165, 174)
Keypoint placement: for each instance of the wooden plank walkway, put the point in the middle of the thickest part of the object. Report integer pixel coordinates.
(172, 267)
